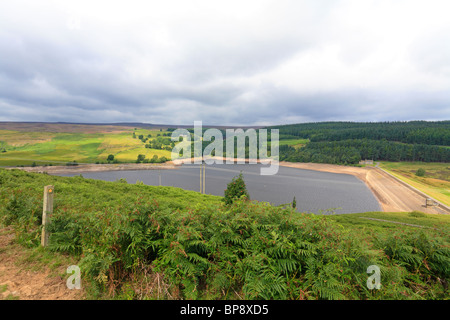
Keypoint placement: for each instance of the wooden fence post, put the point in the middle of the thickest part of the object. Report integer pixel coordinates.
(46, 212)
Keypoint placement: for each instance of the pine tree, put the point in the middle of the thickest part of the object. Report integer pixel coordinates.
(236, 189)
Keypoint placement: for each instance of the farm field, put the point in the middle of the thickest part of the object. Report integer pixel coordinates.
(295, 143)
(435, 182)
(69, 143)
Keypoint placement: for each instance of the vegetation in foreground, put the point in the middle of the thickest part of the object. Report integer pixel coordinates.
(145, 242)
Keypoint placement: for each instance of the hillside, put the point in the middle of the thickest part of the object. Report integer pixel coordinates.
(350, 142)
(324, 142)
(126, 236)
(59, 144)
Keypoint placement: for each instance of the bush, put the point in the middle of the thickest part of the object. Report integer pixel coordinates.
(418, 253)
(154, 159)
(236, 189)
(417, 214)
(420, 172)
(24, 214)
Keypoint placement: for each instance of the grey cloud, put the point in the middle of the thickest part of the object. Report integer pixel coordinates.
(212, 68)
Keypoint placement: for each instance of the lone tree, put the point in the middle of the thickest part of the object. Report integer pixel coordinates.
(236, 189)
(140, 158)
(110, 157)
(154, 159)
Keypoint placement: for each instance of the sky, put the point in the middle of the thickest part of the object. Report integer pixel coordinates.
(224, 62)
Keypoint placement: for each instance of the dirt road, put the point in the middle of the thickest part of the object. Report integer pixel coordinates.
(392, 195)
(18, 282)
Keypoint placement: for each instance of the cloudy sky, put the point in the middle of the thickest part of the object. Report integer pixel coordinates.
(224, 62)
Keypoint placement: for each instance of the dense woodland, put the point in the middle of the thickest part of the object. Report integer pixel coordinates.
(412, 132)
(352, 151)
(349, 142)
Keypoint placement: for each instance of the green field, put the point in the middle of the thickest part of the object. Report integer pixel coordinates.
(435, 182)
(56, 148)
(370, 222)
(70, 143)
(296, 143)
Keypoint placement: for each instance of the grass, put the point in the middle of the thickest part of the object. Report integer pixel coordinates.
(132, 154)
(56, 148)
(63, 147)
(435, 182)
(356, 221)
(202, 249)
(14, 139)
(296, 143)
(38, 259)
(3, 288)
(78, 191)
(35, 259)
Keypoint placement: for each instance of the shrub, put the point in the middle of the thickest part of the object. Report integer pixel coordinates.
(24, 213)
(236, 189)
(65, 230)
(417, 214)
(154, 159)
(420, 172)
(418, 253)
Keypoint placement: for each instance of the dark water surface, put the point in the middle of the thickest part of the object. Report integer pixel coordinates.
(314, 190)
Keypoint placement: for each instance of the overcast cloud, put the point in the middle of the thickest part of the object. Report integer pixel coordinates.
(224, 62)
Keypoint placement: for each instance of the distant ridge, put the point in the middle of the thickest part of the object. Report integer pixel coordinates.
(126, 124)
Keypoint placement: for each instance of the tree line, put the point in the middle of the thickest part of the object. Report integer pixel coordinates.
(413, 132)
(351, 142)
(351, 151)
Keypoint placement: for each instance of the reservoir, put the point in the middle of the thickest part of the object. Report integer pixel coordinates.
(314, 191)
